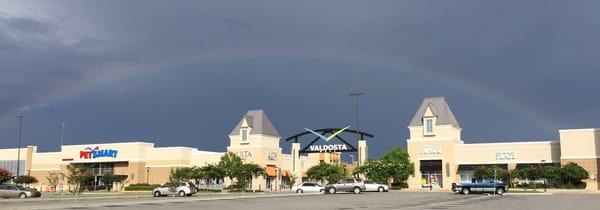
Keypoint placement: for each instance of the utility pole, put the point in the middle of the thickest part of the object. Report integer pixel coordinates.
(19, 144)
(62, 133)
(357, 95)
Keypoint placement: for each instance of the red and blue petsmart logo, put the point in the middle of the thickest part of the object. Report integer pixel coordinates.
(89, 153)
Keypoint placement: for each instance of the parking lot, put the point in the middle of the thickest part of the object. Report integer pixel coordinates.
(289, 201)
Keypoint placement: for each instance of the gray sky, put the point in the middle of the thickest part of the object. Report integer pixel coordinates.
(182, 73)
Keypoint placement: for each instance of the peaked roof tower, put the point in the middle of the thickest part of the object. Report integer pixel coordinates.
(439, 108)
(259, 122)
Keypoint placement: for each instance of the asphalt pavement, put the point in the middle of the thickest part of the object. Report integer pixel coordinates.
(290, 201)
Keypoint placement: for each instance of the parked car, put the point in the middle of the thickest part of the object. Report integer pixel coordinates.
(18, 191)
(307, 187)
(371, 186)
(346, 185)
(482, 187)
(183, 189)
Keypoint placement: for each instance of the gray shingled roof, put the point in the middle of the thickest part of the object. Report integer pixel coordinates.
(440, 108)
(260, 123)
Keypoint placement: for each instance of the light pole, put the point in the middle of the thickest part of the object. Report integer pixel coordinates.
(357, 95)
(19, 144)
(544, 175)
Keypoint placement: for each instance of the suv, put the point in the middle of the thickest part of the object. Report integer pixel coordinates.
(183, 189)
(346, 185)
(18, 191)
(484, 187)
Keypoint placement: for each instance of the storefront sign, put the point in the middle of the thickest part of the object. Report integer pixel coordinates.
(431, 149)
(328, 148)
(244, 154)
(89, 153)
(505, 156)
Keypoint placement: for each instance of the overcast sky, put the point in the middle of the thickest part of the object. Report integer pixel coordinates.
(182, 73)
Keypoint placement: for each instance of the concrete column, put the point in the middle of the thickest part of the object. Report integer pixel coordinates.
(362, 152)
(296, 170)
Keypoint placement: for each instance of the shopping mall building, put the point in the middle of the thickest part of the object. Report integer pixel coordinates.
(441, 157)
(435, 147)
(254, 139)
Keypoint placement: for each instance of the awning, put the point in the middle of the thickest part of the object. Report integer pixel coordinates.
(471, 167)
(271, 171)
(534, 165)
(286, 173)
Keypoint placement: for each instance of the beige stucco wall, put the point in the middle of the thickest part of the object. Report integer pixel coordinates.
(525, 152)
(582, 146)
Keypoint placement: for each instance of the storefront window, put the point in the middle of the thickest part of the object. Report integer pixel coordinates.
(244, 135)
(466, 176)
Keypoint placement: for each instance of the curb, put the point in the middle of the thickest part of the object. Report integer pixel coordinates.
(185, 199)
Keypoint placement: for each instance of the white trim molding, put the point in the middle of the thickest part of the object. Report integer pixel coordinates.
(578, 130)
(579, 157)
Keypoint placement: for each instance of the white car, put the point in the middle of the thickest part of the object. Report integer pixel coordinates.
(371, 186)
(307, 187)
(184, 189)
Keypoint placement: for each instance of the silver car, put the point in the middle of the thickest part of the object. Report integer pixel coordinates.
(347, 185)
(307, 187)
(371, 186)
(183, 189)
(17, 191)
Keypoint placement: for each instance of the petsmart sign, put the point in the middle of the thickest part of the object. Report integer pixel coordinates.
(96, 152)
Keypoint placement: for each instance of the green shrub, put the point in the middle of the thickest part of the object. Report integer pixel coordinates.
(141, 187)
(399, 185)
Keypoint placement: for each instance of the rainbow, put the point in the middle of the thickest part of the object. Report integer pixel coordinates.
(120, 72)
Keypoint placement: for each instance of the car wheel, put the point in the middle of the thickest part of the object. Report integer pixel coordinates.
(157, 194)
(22, 195)
(380, 189)
(299, 191)
(500, 191)
(356, 190)
(181, 193)
(331, 190)
(465, 191)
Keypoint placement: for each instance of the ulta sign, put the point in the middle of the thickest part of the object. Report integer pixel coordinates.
(89, 153)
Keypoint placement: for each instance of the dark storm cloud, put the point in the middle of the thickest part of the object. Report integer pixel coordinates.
(538, 54)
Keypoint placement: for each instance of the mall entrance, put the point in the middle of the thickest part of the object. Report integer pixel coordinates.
(95, 171)
(431, 174)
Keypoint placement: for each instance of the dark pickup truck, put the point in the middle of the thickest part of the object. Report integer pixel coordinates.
(483, 187)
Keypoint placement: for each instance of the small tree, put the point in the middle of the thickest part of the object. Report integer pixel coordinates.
(247, 172)
(571, 173)
(26, 180)
(319, 172)
(399, 163)
(110, 178)
(230, 164)
(292, 179)
(533, 174)
(212, 173)
(336, 172)
(5, 175)
(53, 179)
(77, 178)
(552, 175)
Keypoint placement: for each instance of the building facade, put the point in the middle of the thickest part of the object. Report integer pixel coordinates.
(441, 157)
(254, 139)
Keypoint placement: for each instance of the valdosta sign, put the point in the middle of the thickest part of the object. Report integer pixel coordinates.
(328, 147)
